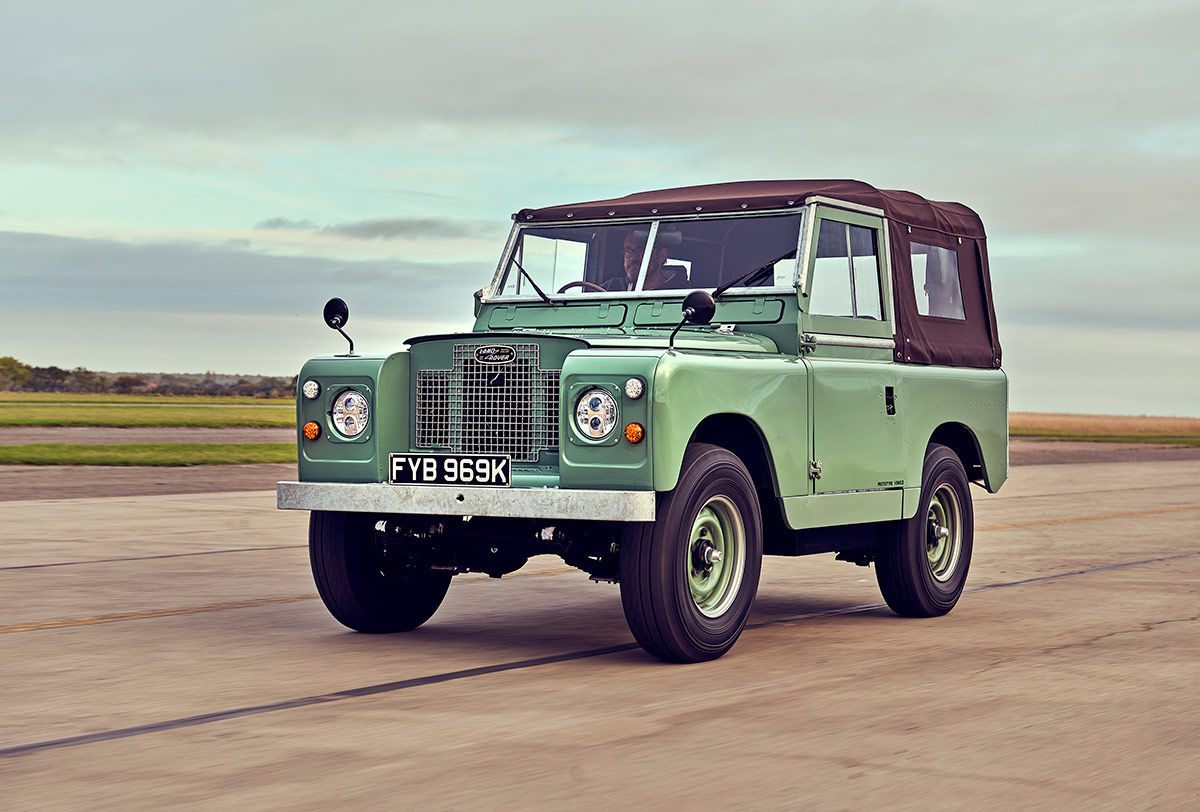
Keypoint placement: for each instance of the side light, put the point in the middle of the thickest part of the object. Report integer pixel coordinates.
(634, 433)
(634, 388)
(311, 389)
(312, 430)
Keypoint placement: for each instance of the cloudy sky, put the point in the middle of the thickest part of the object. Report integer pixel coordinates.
(183, 185)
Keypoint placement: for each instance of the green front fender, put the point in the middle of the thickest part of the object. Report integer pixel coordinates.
(769, 391)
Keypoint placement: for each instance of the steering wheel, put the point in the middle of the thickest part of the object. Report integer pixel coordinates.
(583, 283)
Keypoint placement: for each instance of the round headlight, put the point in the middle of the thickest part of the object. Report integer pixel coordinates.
(596, 413)
(350, 413)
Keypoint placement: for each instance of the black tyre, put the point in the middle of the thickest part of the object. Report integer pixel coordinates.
(689, 578)
(349, 570)
(922, 568)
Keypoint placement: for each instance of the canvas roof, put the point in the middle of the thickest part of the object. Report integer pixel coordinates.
(905, 208)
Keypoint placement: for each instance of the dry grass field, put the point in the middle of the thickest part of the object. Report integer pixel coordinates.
(1107, 428)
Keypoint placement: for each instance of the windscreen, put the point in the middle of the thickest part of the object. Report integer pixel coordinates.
(682, 255)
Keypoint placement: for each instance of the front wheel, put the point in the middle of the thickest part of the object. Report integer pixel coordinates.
(358, 585)
(688, 579)
(921, 570)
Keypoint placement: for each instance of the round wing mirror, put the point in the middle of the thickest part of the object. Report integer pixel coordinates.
(336, 313)
(699, 307)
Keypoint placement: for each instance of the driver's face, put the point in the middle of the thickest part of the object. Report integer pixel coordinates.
(634, 248)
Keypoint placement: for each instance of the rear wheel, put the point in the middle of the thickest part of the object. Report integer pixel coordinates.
(688, 579)
(355, 581)
(922, 569)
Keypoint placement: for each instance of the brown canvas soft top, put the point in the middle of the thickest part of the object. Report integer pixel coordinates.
(755, 195)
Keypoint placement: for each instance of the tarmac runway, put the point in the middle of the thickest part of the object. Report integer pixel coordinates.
(169, 650)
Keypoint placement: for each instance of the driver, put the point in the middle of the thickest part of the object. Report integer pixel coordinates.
(658, 275)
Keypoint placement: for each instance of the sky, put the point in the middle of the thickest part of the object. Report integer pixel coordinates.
(184, 184)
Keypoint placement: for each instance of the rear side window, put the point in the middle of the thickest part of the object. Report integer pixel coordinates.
(935, 281)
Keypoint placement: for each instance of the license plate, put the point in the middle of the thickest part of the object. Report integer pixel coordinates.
(481, 470)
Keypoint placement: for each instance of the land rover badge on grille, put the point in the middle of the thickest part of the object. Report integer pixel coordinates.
(495, 354)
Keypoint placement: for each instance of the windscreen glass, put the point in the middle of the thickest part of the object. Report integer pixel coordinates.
(678, 255)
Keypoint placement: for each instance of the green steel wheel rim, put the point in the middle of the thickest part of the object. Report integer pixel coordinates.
(943, 532)
(715, 556)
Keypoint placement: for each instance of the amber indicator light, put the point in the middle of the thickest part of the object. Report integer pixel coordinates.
(634, 432)
(312, 430)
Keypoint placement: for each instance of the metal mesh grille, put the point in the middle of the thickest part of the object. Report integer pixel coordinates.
(433, 408)
(477, 408)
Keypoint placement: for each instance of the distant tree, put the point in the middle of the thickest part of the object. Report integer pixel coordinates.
(49, 379)
(84, 380)
(125, 384)
(13, 374)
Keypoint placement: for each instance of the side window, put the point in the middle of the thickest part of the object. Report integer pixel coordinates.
(935, 281)
(846, 272)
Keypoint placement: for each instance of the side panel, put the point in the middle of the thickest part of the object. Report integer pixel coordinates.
(771, 390)
(930, 396)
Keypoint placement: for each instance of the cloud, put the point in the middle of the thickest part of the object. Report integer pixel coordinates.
(284, 224)
(402, 228)
(385, 229)
(48, 275)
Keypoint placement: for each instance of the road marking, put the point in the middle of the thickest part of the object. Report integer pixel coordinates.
(152, 557)
(146, 614)
(149, 613)
(1095, 518)
(449, 676)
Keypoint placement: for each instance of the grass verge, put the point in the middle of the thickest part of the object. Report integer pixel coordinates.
(148, 400)
(60, 414)
(161, 454)
(1106, 428)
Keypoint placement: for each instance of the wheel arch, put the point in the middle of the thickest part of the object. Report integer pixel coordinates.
(960, 439)
(743, 437)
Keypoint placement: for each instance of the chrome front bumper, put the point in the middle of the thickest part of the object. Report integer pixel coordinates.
(440, 500)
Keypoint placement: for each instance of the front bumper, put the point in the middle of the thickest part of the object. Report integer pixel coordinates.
(440, 500)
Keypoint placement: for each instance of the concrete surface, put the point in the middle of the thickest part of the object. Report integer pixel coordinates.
(180, 628)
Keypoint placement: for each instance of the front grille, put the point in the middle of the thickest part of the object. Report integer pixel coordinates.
(476, 408)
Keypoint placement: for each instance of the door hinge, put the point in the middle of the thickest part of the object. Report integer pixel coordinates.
(807, 344)
(814, 469)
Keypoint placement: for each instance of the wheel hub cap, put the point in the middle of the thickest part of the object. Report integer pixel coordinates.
(943, 534)
(715, 556)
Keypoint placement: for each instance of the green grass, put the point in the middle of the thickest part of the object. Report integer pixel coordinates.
(63, 414)
(164, 454)
(148, 400)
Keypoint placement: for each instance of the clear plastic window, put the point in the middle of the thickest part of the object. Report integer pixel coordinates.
(935, 281)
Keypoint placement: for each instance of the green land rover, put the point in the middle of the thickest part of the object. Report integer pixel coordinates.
(661, 389)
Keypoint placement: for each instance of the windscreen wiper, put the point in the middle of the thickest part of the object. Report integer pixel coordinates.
(525, 274)
(752, 276)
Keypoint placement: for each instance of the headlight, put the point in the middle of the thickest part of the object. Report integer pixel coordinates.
(596, 414)
(350, 413)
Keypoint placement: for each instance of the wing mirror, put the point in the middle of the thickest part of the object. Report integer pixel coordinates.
(336, 315)
(698, 308)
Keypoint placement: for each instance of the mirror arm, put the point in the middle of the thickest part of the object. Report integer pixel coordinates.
(688, 312)
(348, 338)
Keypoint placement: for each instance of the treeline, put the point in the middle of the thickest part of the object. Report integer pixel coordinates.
(18, 377)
